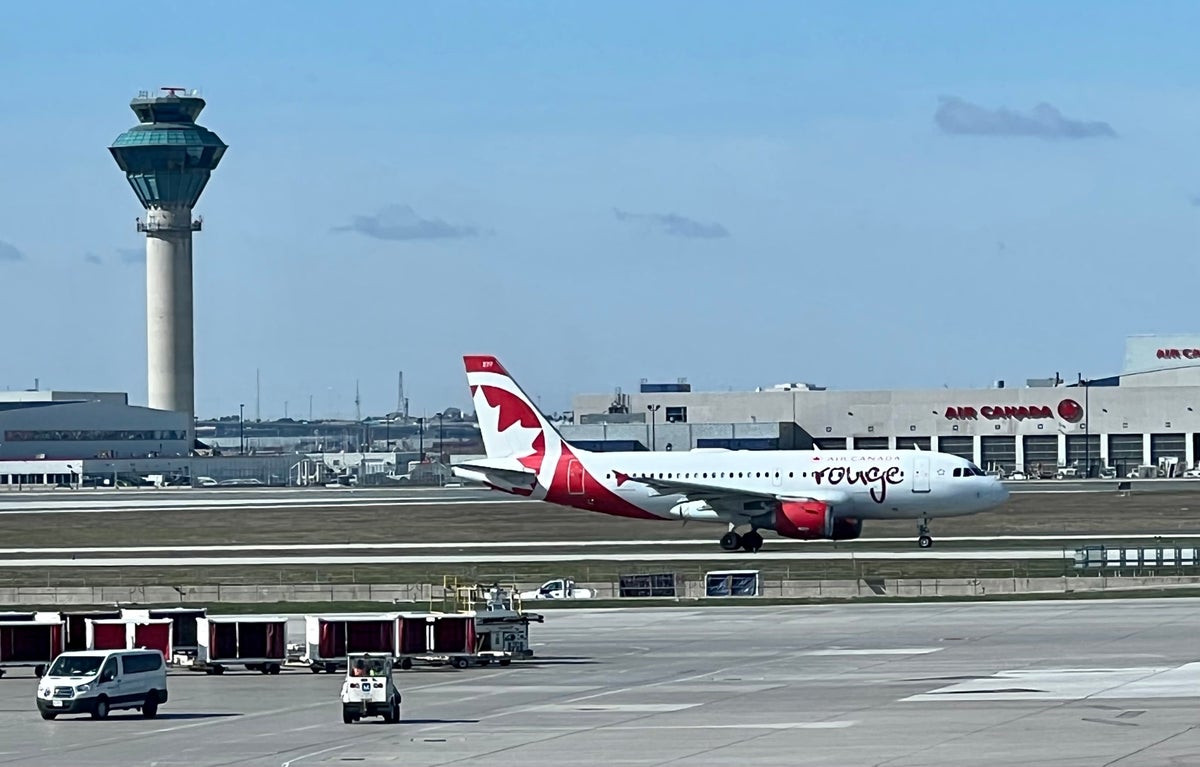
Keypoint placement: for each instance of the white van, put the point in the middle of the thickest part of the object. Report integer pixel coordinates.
(99, 681)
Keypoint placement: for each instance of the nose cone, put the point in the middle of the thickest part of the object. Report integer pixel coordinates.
(998, 492)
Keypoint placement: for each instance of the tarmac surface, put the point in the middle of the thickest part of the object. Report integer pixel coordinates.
(1077, 684)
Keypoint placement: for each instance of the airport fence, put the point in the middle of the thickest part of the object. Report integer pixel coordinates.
(608, 575)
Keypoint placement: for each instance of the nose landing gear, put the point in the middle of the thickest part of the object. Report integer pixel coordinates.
(924, 540)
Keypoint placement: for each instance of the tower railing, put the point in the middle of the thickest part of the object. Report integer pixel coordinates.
(159, 226)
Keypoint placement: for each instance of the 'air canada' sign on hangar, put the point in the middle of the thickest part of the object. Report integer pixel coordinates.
(1068, 410)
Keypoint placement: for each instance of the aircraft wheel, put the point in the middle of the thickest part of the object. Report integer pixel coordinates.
(752, 541)
(731, 541)
(924, 541)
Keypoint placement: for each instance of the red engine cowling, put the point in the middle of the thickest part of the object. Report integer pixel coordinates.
(806, 520)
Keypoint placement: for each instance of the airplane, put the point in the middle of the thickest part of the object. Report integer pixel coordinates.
(801, 494)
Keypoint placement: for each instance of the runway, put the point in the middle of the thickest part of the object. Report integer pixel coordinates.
(1078, 684)
(297, 498)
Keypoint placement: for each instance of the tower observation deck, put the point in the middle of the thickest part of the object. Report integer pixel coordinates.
(168, 160)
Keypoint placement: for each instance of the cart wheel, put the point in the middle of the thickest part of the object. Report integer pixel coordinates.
(347, 717)
(273, 669)
(315, 668)
(461, 663)
(505, 661)
(406, 664)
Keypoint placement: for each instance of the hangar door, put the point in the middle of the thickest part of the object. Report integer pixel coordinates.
(1125, 452)
(1041, 451)
(1000, 452)
(963, 447)
(1168, 446)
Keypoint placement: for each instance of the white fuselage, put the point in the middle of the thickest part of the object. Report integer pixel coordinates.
(863, 484)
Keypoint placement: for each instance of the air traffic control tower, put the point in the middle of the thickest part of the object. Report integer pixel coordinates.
(168, 159)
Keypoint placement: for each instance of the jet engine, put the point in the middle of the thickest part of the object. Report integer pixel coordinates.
(806, 520)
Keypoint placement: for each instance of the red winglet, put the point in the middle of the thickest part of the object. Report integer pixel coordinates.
(483, 363)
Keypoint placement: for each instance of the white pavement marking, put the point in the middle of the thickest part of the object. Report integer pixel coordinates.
(884, 651)
(523, 544)
(277, 504)
(633, 556)
(1074, 684)
(615, 708)
(748, 726)
(290, 762)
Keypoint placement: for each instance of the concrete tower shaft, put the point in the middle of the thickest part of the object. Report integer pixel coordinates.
(168, 160)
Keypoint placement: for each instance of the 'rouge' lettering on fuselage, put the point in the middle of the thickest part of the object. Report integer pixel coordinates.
(873, 475)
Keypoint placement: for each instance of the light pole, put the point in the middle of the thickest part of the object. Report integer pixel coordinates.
(653, 409)
(441, 437)
(1087, 430)
(242, 428)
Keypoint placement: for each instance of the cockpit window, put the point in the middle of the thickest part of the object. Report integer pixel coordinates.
(975, 470)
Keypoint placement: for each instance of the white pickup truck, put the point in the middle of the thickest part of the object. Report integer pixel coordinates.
(562, 588)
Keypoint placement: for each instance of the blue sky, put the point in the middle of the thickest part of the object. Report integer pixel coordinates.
(859, 195)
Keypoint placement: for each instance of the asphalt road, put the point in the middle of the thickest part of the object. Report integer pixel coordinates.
(1079, 684)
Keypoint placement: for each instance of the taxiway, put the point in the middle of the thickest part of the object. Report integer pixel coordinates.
(1079, 684)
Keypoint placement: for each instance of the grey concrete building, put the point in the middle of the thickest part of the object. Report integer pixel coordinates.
(76, 425)
(1147, 415)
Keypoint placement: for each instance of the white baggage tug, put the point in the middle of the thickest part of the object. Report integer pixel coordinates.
(368, 689)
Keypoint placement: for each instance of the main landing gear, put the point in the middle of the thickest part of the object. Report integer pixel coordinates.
(924, 541)
(751, 541)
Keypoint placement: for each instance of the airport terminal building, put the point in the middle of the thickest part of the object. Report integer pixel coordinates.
(1148, 415)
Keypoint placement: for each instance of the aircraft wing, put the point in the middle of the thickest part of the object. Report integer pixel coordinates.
(728, 499)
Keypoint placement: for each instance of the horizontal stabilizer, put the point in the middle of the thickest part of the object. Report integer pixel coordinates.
(498, 472)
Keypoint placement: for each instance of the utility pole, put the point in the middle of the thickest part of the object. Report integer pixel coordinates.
(1087, 429)
(310, 407)
(357, 403)
(653, 441)
(242, 428)
(257, 396)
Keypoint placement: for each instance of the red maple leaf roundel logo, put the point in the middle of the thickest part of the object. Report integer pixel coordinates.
(1069, 410)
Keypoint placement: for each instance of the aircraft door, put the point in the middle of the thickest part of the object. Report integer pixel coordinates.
(575, 477)
(920, 474)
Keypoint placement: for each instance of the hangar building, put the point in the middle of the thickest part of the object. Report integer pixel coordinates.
(60, 425)
(1148, 415)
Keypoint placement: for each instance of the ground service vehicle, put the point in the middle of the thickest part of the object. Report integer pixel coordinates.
(559, 589)
(369, 690)
(98, 681)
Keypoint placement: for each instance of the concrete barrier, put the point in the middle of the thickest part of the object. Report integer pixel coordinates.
(67, 596)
